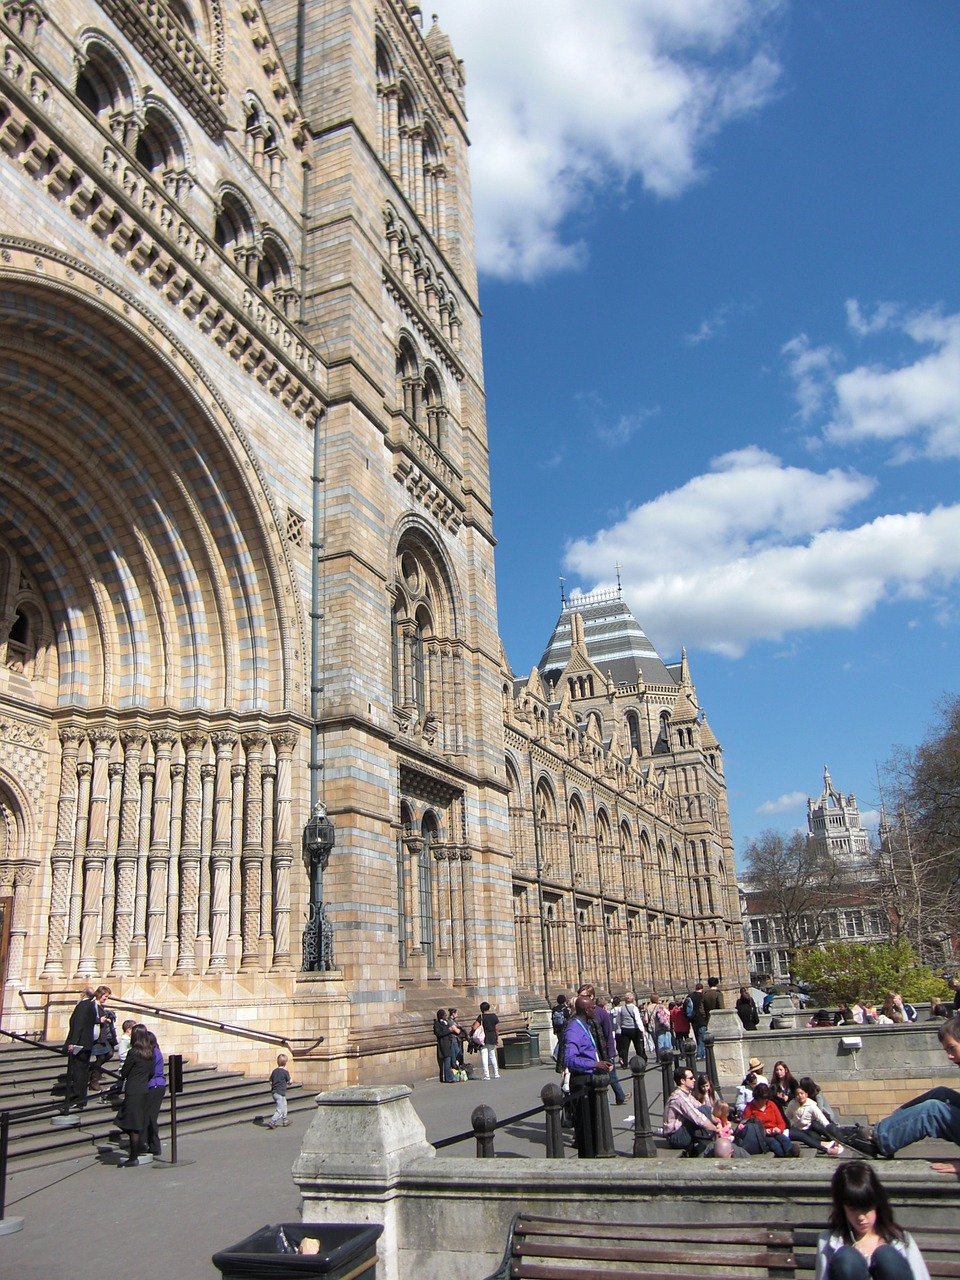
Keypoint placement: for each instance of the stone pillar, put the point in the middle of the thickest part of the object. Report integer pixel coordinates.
(84, 774)
(96, 851)
(135, 796)
(190, 854)
(469, 910)
(208, 777)
(352, 1158)
(224, 742)
(266, 874)
(236, 848)
(158, 856)
(21, 877)
(62, 852)
(251, 860)
(283, 849)
(107, 916)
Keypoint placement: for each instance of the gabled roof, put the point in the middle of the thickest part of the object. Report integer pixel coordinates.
(615, 642)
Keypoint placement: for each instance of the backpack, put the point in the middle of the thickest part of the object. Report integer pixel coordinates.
(688, 1008)
(559, 1020)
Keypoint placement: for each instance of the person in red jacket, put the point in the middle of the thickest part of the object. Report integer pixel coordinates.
(764, 1109)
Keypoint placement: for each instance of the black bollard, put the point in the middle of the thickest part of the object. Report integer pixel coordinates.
(643, 1143)
(602, 1127)
(667, 1058)
(708, 1041)
(689, 1050)
(484, 1121)
(551, 1095)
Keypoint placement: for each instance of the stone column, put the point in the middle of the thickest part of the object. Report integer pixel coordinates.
(22, 878)
(266, 875)
(84, 774)
(190, 854)
(159, 852)
(224, 742)
(251, 859)
(208, 777)
(283, 849)
(62, 852)
(236, 848)
(136, 789)
(469, 910)
(107, 917)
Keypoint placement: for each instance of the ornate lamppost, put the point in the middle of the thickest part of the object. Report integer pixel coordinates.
(319, 836)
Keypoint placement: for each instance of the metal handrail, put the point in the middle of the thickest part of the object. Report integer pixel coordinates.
(500, 1124)
(197, 1020)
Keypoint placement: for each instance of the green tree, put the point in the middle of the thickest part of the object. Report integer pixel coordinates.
(866, 970)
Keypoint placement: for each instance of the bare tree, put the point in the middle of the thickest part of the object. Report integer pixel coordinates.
(792, 883)
(919, 856)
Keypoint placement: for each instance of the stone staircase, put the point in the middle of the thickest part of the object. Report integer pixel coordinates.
(31, 1089)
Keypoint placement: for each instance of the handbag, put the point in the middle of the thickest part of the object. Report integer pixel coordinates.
(477, 1035)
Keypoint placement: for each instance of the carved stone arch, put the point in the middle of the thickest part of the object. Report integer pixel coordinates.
(16, 821)
(576, 814)
(235, 228)
(162, 147)
(545, 800)
(106, 85)
(514, 782)
(165, 588)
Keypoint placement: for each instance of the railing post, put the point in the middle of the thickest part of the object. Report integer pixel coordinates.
(689, 1051)
(7, 1225)
(551, 1095)
(667, 1058)
(708, 1043)
(484, 1121)
(602, 1126)
(643, 1143)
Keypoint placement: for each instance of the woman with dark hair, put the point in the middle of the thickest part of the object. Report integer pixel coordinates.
(809, 1123)
(135, 1075)
(864, 1239)
(704, 1094)
(783, 1086)
(156, 1090)
(764, 1109)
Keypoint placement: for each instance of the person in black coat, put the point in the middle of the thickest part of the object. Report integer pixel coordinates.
(134, 1114)
(81, 1035)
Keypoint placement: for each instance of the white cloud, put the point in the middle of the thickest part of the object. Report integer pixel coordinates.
(916, 404)
(912, 406)
(753, 551)
(716, 323)
(784, 804)
(567, 99)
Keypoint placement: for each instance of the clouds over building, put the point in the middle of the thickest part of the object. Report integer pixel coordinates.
(570, 102)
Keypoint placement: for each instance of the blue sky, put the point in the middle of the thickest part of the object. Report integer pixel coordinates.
(719, 252)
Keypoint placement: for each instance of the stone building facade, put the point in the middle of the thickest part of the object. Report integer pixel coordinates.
(623, 868)
(854, 912)
(246, 551)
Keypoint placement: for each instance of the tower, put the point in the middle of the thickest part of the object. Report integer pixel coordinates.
(246, 550)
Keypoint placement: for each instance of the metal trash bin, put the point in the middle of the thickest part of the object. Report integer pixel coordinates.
(514, 1052)
(271, 1253)
(534, 1047)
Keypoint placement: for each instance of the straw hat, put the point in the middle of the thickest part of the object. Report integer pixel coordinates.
(755, 1064)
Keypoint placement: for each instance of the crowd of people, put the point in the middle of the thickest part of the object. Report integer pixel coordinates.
(453, 1042)
(92, 1041)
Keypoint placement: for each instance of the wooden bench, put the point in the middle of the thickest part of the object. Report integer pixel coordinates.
(562, 1249)
(559, 1249)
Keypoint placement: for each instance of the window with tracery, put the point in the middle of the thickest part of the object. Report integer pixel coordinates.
(275, 277)
(409, 389)
(427, 660)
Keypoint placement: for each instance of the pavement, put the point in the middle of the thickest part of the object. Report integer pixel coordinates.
(86, 1218)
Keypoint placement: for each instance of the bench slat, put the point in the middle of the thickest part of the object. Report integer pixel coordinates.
(655, 1251)
(535, 1271)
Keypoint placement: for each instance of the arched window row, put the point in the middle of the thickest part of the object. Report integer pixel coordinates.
(411, 145)
(422, 281)
(148, 128)
(261, 256)
(420, 395)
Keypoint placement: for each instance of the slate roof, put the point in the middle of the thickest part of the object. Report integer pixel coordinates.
(616, 643)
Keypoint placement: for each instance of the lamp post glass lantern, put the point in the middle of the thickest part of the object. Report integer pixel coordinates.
(319, 836)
